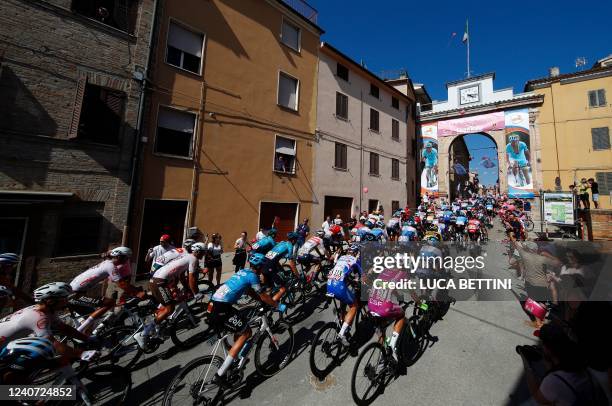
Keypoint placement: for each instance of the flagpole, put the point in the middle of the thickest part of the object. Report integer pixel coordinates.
(468, 47)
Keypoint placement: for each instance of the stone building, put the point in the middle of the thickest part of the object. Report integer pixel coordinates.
(69, 110)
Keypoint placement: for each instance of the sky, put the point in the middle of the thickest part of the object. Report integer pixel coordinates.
(518, 41)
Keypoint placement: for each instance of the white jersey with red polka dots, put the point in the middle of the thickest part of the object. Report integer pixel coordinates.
(167, 257)
(25, 322)
(174, 268)
(98, 273)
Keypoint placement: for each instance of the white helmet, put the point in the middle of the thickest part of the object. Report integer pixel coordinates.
(5, 292)
(188, 242)
(121, 251)
(198, 247)
(338, 221)
(52, 290)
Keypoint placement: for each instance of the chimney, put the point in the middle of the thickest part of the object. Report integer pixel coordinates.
(553, 72)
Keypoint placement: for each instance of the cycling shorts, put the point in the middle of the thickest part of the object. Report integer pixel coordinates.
(224, 317)
(271, 274)
(341, 292)
(161, 291)
(84, 304)
(386, 310)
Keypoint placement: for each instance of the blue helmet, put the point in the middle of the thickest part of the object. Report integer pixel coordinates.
(369, 224)
(9, 258)
(272, 232)
(29, 353)
(293, 235)
(257, 260)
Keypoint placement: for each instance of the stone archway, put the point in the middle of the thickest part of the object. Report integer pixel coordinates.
(444, 148)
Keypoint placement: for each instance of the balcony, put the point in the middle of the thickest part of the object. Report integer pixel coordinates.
(304, 9)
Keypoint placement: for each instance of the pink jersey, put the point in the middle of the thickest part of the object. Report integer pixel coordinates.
(379, 302)
(100, 272)
(174, 268)
(24, 322)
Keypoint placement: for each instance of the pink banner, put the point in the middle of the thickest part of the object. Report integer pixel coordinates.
(475, 124)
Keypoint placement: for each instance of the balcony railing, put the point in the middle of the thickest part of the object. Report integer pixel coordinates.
(303, 8)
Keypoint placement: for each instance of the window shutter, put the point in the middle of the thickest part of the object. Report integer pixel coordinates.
(604, 179)
(338, 104)
(601, 95)
(601, 138)
(592, 98)
(73, 130)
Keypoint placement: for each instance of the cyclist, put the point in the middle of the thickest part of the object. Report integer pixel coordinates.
(164, 280)
(8, 262)
(338, 287)
(381, 305)
(430, 157)
(313, 251)
(408, 233)
(172, 254)
(393, 225)
(460, 223)
(116, 269)
(223, 315)
(265, 244)
(39, 319)
(282, 250)
(24, 358)
(518, 156)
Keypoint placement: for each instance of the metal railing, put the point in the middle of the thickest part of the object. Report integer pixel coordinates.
(303, 8)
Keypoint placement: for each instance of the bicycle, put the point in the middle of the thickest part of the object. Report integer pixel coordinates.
(326, 347)
(193, 383)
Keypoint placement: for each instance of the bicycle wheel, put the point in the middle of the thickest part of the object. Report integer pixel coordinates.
(368, 374)
(192, 385)
(325, 351)
(105, 384)
(184, 332)
(273, 352)
(529, 225)
(120, 347)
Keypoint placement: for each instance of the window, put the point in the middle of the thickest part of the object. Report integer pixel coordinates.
(80, 229)
(342, 72)
(101, 115)
(184, 48)
(395, 169)
(601, 138)
(597, 98)
(120, 14)
(374, 125)
(395, 102)
(394, 206)
(290, 35)
(284, 155)
(341, 106)
(604, 179)
(374, 91)
(288, 88)
(373, 164)
(340, 160)
(372, 205)
(395, 129)
(175, 131)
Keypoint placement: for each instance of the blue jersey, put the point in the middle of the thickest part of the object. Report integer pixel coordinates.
(264, 245)
(344, 266)
(431, 158)
(235, 286)
(461, 220)
(518, 156)
(379, 233)
(281, 250)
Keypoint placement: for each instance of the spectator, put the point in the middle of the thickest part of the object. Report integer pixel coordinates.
(159, 250)
(302, 230)
(583, 193)
(594, 192)
(281, 164)
(326, 224)
(213, 261)
(240, 256)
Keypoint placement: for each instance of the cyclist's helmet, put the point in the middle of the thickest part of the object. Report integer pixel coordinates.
(513, 137)
(398, 213)
(9, 258)
(53, 290)
(321, 233)
(272, 232)
(121, 252)
(338, 221)
(198, 247)
(336, 229)
(26, 354)
(428, 144)
(369, 224)
(257, 260)
(354, 248)
(188, 243)
(5, 292)
(293, 235)
(380, 224)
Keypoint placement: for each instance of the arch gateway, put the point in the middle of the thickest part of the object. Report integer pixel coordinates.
(474, 107)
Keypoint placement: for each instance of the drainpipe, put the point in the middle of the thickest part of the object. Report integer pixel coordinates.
(195, 180)
(552, 98)
(137, 133)
(361, 157)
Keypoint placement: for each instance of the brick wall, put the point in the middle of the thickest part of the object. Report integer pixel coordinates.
(46, 49)
(599, 224)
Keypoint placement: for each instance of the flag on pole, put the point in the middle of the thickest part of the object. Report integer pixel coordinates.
(466, 35)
